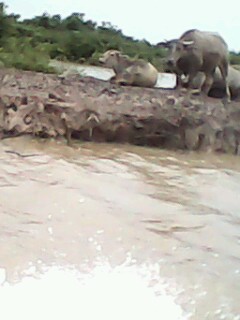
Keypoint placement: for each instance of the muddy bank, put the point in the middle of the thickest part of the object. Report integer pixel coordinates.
(93, 110)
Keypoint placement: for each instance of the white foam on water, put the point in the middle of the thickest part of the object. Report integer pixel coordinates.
(104, 293)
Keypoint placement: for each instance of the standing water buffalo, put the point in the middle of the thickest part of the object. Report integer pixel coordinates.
(129, 72)
(198, 51)
(218, 88)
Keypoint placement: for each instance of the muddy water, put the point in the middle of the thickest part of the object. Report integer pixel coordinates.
(103, 231)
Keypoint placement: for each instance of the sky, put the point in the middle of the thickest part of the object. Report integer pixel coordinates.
(153, 20)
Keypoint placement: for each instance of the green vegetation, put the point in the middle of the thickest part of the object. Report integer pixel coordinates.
(30, 44)
(234, 58)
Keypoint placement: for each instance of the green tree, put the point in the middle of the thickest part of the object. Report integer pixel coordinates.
(5, 25)
(74, 21)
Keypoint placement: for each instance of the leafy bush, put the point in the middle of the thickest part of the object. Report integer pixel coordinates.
(234, 58)
(20, 54)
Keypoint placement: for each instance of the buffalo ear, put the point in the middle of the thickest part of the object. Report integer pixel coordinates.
(187, 44)
(161, 44)
(167, 44)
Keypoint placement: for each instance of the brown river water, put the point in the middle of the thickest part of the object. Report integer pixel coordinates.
(105, 231)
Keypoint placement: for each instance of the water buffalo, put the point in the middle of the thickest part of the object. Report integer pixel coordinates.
(198, 51)
(129, 72)
(218, 88)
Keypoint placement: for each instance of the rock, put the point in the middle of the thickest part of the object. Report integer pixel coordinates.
(192, 139)
(171, 100)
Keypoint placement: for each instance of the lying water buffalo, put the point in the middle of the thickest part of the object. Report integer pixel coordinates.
(233, 82)
(129, 72)
(198, 51)
(218, 88)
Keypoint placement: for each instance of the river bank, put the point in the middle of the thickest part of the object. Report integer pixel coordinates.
(90, 109)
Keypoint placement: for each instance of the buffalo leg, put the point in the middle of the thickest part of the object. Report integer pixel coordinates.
(208, 82)
(224, 72)
(194, 89)
(124, 79)
(112, 79)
